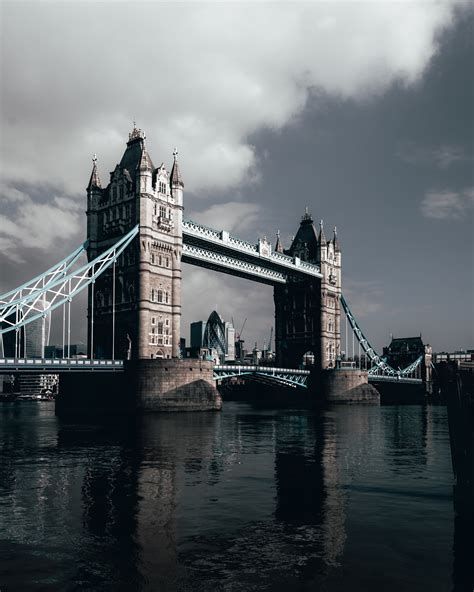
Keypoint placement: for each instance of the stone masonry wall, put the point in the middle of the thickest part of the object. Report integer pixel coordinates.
(173, 385)
(348, 386)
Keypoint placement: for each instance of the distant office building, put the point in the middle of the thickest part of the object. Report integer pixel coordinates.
(215, 335)
(31, 339)
(37, 333)
(230, 341)
(197, 333)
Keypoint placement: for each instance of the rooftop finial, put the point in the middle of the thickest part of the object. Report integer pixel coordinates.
(94, 158)
(321, 224)
(175, 154)
(136, 133)
(307, 215)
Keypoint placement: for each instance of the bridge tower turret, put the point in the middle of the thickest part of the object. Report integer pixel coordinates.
(144, 303)
(307, 311)
(94, 195)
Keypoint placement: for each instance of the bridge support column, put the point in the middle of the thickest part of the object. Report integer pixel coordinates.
(173, 385)
(344, 386)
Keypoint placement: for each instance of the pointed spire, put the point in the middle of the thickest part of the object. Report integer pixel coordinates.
(322, 238)
(145, 163)
(175, 179)
(94, 182)
(278, 246)
(306, 216)
(335, 241)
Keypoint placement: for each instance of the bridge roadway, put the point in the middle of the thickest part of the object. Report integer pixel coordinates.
(289, 376)
(221, 251)
(285, 376)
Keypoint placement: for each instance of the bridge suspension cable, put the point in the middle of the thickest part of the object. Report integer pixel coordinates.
(379, 365)
(53, 289)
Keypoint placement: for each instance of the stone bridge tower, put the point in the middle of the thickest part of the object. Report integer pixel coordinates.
(148, 274)
(307, 311)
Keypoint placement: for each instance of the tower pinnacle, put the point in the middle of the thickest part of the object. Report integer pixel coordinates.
(175, 178)
(322, 238)
(94, 182)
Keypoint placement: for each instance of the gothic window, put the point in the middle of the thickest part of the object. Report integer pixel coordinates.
(104, 218)
(167, 262)
(121, 191)
(160, 295)
(162, 187)
(160, 328)
(166, 296)
(123, 212)
(127, 210)
(152, 256)
(131, 292)
(153, 294)
(167, 322)
(162, 212)
(153, 320)
(160, 354)
(111, 213)
(160, 260)
(114, 193)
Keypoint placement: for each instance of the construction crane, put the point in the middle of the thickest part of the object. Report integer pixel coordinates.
(239, 334)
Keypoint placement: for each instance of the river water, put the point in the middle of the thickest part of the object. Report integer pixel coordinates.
(352, 498)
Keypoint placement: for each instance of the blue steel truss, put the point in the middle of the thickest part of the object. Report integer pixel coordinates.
(41, 299)
(284, 376)
(380, 367)
(44, 279)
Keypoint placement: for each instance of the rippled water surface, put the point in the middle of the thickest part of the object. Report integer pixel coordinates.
(349, 498)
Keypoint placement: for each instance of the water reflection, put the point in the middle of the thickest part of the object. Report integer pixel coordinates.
(249, 499)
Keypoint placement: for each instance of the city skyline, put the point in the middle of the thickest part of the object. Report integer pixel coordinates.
(378, 144)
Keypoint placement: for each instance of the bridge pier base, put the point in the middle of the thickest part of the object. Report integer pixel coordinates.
(347, 386)
(173, 385)
(146, 386)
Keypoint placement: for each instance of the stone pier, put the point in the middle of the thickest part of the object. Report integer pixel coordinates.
(145, 386)
(348, 385)
(173, 385)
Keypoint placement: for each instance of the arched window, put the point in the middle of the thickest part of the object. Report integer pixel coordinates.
(160, 295)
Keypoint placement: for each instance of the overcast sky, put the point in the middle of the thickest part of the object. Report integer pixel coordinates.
(362, 111)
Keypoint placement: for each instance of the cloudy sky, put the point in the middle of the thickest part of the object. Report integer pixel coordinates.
(362, 111)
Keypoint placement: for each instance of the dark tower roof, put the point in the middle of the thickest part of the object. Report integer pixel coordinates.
(306, 235)
(94, 182)
(136, 156)
(175, 179)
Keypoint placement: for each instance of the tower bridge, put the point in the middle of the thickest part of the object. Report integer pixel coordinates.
(137, 240)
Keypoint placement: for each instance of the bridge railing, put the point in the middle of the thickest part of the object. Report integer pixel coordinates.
(40, 363)
(264, 369)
